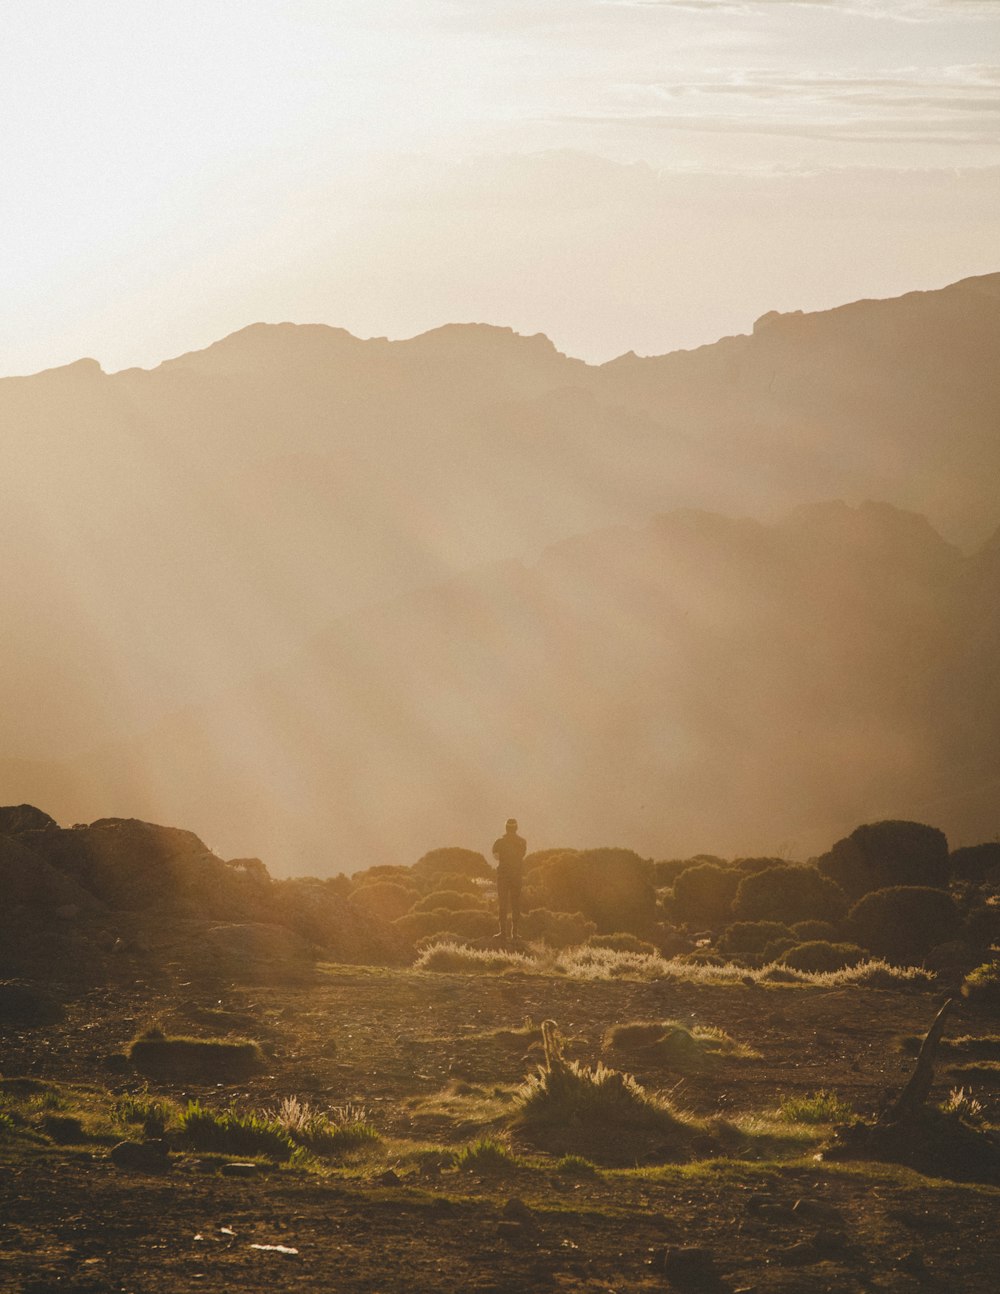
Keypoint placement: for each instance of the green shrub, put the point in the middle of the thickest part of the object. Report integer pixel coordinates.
(487, 1157)
(601, 1113)
(975, 863)
(622, 942)
(750, 938)
(788, 893)
(229, 1132)
(882, 855)
(703, 895)
(194, 1060)
(575, 1166)
(317, 1132)
(667, 870)
(385, 899)
(451, 859)
(448, 901)
(557, 929)
(153, 1114)
(982, 985)
(821, 955)
(611, 887)
(904, 923)
(751, 866)
(821, 1107)
(806, 931)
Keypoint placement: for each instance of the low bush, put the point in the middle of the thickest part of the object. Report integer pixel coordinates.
(385, 899)
(153, 1114)
(488, 1156)
(448, 901)
(982, 986)
(788, 893)
(703, 895)
(195, 1060)
(821, 955)
(807, 931)
(674, 1045)
(881, 855)
(975, 863)
(611, 887)
(557, 929)
(904, 923)
(600, 1113)
(451, 859)
(750, 938)
(666, 871)
(821, 1107)
(320, 1133)
(575, 1166)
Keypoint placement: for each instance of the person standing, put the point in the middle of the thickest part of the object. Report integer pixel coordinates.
(509, 851)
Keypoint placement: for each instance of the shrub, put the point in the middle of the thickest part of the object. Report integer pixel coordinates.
(750, 938)
(805, 931)
(575, 1166)
(903, 923)
(666, 871)
(385, 899)
(602, 1113)
(821, 955)
(703, 895)
(452, 858)
(821, 1107)
(882, 855)
(557, 929)
(791, 892)
(447, 901)
(622, 942)
(750, 866)
(677, 1046)
(456, 881)
(229, 1132)
(195, 1060)
(317, 1132)
(486, 1156)
(975, 863)
(611, 887)
(154, 1115)
(982, 986)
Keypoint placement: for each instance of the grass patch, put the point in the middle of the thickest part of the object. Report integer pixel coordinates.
(488, 1156)
(460, 1109)
(457, 958)
(231, 1132)
(599, 1113)
(576, 1166)
(981, 1071)
(326, 1134)
(676, 1046)
(152, 1114)
(194, 1060)
(820, 1107)
(595, 963)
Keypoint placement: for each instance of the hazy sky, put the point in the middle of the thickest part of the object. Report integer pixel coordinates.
(620, 174)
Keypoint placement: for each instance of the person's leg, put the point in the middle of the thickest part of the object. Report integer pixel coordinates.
(503, 902)
(515, 907)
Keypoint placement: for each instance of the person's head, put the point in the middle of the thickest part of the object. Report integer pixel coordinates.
(511, 826)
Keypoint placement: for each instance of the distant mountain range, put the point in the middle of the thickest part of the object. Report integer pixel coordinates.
(287, 590)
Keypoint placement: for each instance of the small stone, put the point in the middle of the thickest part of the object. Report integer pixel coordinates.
(389, 1178)
(239, 1170)
(516, 1210)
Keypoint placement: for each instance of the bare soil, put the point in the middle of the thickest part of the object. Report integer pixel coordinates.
(434, 1059)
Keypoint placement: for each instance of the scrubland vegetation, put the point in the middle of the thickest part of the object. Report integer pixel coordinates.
(672, 1043)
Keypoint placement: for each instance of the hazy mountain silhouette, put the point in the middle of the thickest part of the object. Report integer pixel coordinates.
(696, 683)
(168, 532)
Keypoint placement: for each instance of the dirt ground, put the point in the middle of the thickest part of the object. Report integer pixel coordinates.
(434, 1060)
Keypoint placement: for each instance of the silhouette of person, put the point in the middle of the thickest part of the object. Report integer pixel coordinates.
(509, 851)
